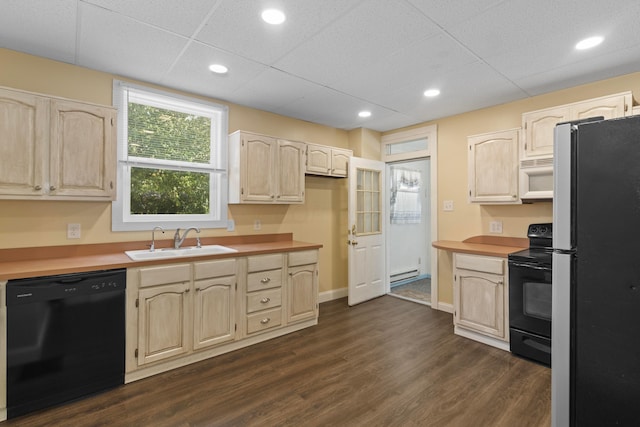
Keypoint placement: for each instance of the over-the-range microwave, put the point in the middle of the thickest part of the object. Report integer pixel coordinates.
(536, 179)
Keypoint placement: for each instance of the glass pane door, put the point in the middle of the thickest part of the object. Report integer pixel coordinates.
(368, 203)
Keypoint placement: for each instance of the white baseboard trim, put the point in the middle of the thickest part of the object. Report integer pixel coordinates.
(443, 306)
(333, 294)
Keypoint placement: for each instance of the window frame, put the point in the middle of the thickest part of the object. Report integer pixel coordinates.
(121, 218)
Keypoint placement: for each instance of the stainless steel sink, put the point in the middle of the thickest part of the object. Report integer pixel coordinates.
(189, 251)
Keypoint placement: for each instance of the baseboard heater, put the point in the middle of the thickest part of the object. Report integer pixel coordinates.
(410, 274)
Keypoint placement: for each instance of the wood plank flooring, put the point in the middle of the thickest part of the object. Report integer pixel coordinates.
(386, 362)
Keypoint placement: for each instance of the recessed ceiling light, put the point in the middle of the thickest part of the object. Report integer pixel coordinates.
(364, 114)
(590, 42)
(273, 16)
(218, 68)
(431, 92)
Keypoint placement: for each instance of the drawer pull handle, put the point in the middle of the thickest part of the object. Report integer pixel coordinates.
(265, 320)
(265, 280)
(265, 300)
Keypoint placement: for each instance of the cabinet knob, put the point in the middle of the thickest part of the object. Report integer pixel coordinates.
(52, 188)
(38, 187)
(265, 280)
(265, 320)
(265, 300)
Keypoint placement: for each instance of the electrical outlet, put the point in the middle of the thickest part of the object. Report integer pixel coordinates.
(447, 205)
(257, 225)
(495, 227)
(73, 231)
(231, 225)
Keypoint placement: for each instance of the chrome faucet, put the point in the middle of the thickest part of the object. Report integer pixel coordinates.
(152, 246)
(177, 240)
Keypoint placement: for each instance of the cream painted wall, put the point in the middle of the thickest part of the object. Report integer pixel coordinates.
(467, 219)
(322, 219)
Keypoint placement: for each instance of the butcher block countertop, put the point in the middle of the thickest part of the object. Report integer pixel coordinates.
(484, 245)
(45, 261)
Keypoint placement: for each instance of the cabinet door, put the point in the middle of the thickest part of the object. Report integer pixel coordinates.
(610, 107)
(302, 291)
(214, 311)
(163, 319)
(290, 172)
(538, 130)
(479, 302)
(318, 159)
(258, 167)
(493, 167)
(83, 150)
(24, 130)
(340, 162)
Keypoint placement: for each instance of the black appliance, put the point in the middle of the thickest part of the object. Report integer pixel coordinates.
(65, 338)
(530, 296)
(595, 376)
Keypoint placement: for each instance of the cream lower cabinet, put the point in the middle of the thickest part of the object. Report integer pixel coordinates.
(264, 289)
(181, 313)
(493, 167)
(263, 169)
(56, 148)
(181, 308)
(214, 303)
(481, 299)
(3, 351)
(302, 286)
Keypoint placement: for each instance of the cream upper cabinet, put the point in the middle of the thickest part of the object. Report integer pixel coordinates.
(537, 140)
(327, 161)
(55, 148)
(538, 131)
(493, 167)
(302, 286)
(263, 169)
(82, 155)
(24, 129)
(481, 295)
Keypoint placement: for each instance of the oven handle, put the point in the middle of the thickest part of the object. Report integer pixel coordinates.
(533, 266)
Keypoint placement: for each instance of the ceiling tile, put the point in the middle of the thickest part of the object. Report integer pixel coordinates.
(191, 72)
(114, 43)
(39, 27)
(375, 29)
(451, 12)
(180, 17)
(236, 26)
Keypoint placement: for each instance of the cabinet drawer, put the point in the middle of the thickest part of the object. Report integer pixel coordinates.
(264, 262)
(264, 320)
(264, 280)
(219, 268)
(264, 299)
(150, 276)
(485, 264)
(303, 258)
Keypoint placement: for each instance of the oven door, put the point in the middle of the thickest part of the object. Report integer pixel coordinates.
(530, 298)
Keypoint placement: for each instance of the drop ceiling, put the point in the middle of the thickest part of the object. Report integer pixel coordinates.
(333, 58)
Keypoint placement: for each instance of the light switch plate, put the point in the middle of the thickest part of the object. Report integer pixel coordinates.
(495, 227)
(231, 225)
(447, 205)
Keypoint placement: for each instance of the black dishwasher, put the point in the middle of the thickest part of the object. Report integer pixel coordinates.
(65, 338)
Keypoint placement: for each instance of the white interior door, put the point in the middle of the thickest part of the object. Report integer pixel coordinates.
(366, 230)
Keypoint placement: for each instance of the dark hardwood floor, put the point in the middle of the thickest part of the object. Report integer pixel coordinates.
(386, 362)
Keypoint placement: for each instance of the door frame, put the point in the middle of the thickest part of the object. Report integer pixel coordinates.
(431, 134)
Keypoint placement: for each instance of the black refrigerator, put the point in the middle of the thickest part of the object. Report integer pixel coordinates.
(595, 356)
